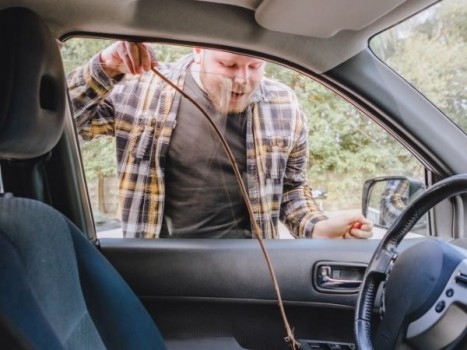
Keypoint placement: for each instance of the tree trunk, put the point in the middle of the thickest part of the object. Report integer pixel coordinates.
(100, 194)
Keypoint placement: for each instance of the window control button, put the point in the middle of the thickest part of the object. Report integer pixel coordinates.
(318, 345)
(440, 306)
(335, 346)
(340, 347)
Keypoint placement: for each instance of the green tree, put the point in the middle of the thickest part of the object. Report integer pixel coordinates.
(99, 162)
(345, 146)
(430, 52)
(78, 51)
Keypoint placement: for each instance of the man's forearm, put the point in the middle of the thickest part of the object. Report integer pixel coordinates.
(88, 87)
(300, 212)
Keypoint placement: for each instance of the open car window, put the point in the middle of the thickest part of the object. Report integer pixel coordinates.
(345, 148)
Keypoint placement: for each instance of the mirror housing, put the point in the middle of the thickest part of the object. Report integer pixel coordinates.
(385, 197)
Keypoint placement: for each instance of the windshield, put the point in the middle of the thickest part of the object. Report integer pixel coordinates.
(430, 52)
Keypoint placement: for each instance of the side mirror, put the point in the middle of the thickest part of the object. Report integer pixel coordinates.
(384, 198)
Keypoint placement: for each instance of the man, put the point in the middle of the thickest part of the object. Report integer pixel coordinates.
(174, 178)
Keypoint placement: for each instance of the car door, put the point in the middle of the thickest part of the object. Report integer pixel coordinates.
(207, 293)
(207, 289)
(364, 122)
(219, 293)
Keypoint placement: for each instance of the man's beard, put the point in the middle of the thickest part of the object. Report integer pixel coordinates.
(220, 95)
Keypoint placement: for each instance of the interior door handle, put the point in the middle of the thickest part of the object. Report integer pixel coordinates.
(338, 277)
(328, 282)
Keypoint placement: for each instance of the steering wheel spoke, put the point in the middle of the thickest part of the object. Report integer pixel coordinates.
(381, 263)
(446, 319)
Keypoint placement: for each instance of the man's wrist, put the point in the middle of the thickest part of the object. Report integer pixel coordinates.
(97, 78)
(111, 72)
(316, 227)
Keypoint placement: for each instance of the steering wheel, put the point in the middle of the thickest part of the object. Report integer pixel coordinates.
(424, 299)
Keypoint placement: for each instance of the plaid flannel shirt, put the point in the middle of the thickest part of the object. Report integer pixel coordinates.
(393, 201)
(141, 111)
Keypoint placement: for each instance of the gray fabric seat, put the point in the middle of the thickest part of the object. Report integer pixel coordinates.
(56, 290)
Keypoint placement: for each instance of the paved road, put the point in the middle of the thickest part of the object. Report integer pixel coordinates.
(378, 232)
(117, 233)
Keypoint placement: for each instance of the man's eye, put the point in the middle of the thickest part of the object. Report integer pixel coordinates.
(228, 65)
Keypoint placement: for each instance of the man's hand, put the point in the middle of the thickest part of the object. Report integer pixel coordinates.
(125, 57)
(344, 226)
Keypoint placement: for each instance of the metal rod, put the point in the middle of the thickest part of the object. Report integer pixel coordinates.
(290, 338)
(2, 189)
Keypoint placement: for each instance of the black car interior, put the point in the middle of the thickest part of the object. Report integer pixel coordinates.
(61, 290)
(57, 291)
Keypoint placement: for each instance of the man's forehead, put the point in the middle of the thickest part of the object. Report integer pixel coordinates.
(218, 54)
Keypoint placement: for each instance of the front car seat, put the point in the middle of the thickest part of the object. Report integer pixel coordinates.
(56, 290)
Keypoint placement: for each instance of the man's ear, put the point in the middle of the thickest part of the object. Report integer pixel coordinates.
(197, 53)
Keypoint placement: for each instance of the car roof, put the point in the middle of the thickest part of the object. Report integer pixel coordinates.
(317, 34)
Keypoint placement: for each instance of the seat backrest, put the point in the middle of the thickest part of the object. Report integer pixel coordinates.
(56, 290)
(32, 86)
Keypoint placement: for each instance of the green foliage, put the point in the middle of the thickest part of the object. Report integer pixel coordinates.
(430, 52)
(99, 157)
(170, 53)
(346, 147)
(78, 51)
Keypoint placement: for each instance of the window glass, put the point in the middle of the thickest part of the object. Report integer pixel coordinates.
(429, 51)
(345, 148)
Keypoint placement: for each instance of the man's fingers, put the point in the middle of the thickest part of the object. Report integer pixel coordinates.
(134, 57)
(147, 56)
(357, 225)
(363, 233)
(153, 57)
(362, 229)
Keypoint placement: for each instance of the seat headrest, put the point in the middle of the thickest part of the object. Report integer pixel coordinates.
(32, 86)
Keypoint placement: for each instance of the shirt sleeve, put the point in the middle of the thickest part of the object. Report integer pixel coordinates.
(299, 211)
(89, 89)
(393, 200)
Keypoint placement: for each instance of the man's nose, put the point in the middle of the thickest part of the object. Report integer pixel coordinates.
(242, 76)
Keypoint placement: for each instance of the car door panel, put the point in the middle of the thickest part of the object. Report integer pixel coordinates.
(222, 288)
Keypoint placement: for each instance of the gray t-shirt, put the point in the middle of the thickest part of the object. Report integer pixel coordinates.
(203, 198)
